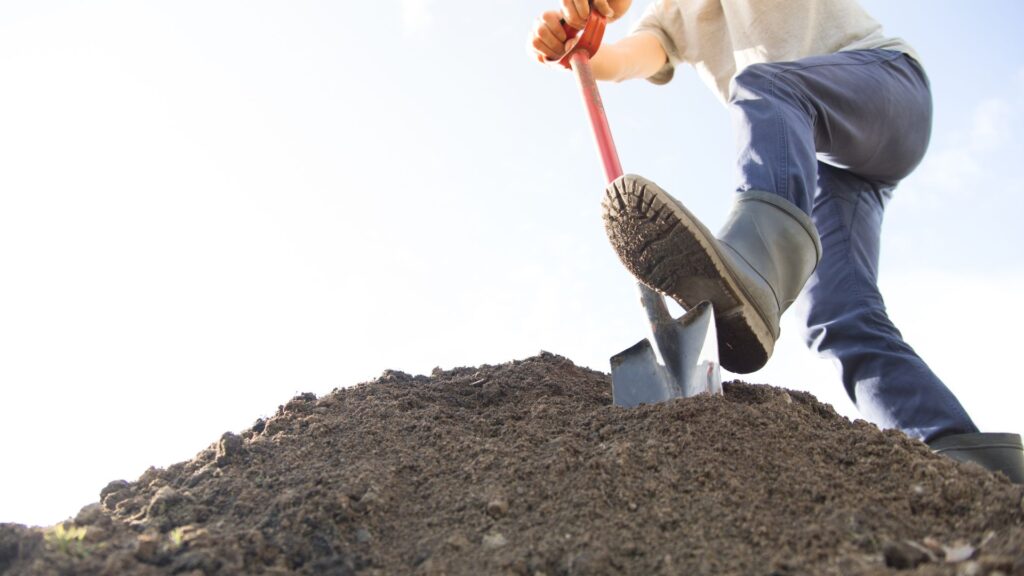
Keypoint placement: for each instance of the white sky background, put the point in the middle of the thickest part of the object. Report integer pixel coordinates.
(208, 207)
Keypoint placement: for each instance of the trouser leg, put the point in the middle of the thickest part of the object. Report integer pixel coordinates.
(846, 320)
(834, 135)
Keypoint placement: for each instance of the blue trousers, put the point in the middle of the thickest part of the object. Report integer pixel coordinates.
(834, 135)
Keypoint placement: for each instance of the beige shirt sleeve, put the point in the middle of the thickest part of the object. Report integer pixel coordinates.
(659, 17)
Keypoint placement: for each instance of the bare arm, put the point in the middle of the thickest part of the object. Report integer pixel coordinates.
(635, 56)
(638, 55)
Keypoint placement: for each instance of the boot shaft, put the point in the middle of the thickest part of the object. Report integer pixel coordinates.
(772, 240)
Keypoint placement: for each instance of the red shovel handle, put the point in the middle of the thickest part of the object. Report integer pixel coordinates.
(578, 59)
(589, 41)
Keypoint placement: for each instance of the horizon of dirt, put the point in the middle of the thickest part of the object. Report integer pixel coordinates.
(526, 468)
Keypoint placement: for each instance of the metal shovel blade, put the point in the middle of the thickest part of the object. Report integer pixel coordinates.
(688, 350)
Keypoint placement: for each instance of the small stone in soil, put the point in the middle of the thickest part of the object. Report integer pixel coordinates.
(495, 540)
(457, 542)
(370, 499)
(497, 508)
(960, 553)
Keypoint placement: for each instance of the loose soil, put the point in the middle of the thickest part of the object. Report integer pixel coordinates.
(527, 468)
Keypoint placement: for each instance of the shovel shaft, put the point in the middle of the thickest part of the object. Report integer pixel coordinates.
(688, 346)
(653, 303)
(580, 63)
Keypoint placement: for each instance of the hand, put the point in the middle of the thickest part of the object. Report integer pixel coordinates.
(576, 12)
(548, 40)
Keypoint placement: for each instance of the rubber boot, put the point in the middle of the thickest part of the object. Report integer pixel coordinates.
(751, 272)
(996, 452)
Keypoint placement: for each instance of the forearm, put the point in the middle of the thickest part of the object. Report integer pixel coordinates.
(635, 56)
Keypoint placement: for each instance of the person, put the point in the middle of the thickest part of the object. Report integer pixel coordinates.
(830, 115)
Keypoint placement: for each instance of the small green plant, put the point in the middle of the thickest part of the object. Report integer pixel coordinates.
(177, 536)
(66, 540)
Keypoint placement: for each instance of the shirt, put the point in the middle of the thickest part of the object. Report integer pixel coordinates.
(722, 37)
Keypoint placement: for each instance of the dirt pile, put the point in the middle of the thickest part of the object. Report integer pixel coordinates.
(526, 468)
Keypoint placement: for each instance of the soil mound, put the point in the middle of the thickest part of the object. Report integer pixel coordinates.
(527, 468)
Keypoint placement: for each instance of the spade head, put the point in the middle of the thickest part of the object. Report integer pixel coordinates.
(684, 364)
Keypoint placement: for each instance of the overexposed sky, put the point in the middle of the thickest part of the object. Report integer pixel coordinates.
(208, 207)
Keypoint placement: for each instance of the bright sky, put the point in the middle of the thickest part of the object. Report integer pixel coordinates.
(208, 207)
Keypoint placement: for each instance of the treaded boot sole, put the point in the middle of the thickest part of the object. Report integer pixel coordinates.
(669, 250)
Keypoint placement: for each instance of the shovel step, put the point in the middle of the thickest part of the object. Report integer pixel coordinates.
(685, 363)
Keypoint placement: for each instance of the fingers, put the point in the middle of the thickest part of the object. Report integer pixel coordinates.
(620, 7)
(548, 39)
(604, 8)
(576, 12)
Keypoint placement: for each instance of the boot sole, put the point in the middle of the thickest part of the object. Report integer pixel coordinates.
(669, 250)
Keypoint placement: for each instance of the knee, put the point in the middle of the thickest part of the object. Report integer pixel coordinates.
(829, 320)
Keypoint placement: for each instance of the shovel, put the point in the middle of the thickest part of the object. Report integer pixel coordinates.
(684, 359)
